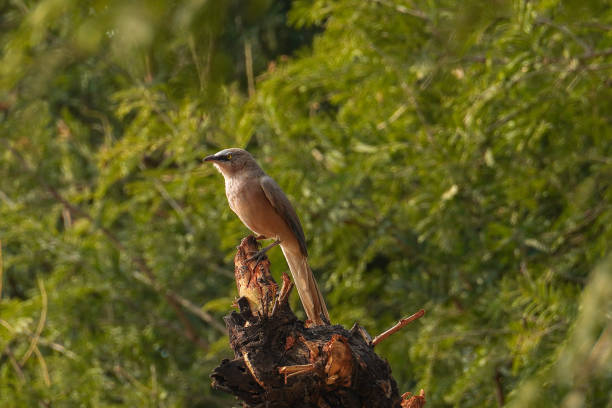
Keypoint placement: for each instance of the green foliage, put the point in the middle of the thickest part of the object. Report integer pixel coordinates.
(452, 156)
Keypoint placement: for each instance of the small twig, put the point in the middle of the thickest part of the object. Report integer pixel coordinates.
(596, 53)
(499, 388)
(397, 327)
(14, 363)
(154, 388)
(122, 372)
(7, 200)
(210, 51)
(565, 30)
(170, 200)
(398, 112)
(596, 357)
(196, 60)
(41, 324)
(507, 118)
(57, 347)
(188, 305)
(404, 10)
(43, 367)
(41, 340)
(248, 62)
(286, 288)
(163, 115)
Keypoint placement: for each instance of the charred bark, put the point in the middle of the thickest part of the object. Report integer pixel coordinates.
(279, 361)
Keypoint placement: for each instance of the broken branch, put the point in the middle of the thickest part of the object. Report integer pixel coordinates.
(398, 326)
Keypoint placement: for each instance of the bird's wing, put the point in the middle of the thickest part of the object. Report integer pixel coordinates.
(283, 207)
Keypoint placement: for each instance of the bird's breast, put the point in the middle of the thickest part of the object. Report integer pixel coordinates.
(247, 199)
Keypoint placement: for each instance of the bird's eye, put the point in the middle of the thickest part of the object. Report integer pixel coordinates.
(229, 156)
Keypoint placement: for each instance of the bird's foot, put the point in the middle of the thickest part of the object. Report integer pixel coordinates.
(259, 255)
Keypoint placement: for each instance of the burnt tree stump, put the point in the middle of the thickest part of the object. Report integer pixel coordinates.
(279, 361)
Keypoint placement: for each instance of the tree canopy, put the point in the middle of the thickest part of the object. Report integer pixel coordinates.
(451, 156)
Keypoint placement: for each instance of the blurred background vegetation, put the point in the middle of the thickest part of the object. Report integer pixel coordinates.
(452, 156)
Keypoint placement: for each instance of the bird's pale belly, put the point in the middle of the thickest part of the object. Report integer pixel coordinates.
(256, 212)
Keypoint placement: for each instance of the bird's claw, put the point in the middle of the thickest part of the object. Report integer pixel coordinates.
(261, 254)
(258, 256)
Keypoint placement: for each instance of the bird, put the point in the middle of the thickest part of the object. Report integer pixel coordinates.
(263, 207)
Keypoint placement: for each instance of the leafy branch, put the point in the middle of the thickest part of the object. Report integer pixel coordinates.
(177, 302)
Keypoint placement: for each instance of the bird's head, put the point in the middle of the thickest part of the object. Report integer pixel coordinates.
(231, 161)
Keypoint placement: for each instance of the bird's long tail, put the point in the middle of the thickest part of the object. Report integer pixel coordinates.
(306, 285)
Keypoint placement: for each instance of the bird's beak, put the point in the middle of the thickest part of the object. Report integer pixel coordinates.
(210, 158)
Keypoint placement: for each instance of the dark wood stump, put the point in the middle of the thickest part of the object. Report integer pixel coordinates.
(281, 362)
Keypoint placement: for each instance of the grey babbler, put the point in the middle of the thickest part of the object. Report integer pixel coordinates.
(265, 209)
